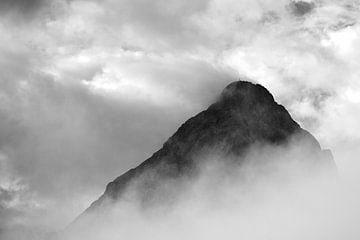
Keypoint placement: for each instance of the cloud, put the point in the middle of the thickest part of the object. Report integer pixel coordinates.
(21, 5)
(22, 10)
(252, 201)
(300, 8)
(89, 89)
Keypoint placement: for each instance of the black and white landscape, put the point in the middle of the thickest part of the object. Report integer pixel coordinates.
(169, 119)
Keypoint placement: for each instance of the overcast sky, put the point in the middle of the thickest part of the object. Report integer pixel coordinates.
(89, 89)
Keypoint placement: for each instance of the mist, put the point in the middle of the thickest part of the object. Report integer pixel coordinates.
(272, 194)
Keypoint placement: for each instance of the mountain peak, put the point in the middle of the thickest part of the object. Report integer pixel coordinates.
(246, 91)
(245, 114)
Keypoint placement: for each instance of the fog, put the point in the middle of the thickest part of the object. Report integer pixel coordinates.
(275, 193)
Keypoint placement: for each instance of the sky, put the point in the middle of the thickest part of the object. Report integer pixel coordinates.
(89, 89)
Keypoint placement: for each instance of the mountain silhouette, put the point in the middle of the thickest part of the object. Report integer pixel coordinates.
(244, 114)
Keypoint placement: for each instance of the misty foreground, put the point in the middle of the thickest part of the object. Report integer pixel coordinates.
(242, 169)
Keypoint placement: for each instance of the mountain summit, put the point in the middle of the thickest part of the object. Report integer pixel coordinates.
(244, 115)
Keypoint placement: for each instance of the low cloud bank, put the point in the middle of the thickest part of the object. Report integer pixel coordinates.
(274, 193)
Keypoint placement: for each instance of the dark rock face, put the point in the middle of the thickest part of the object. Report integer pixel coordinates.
(245, 114)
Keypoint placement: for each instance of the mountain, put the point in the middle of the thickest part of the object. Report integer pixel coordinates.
(244, 115)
